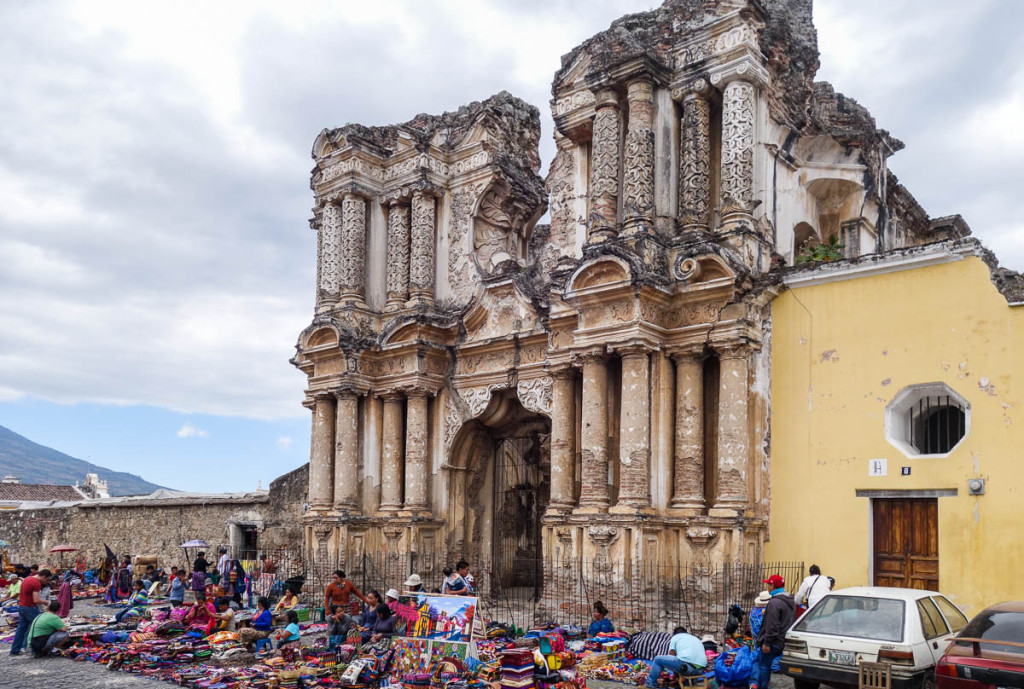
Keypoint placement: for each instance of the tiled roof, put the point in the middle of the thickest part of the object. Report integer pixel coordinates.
(38, 492)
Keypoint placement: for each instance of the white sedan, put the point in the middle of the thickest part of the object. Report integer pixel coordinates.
(907, 628)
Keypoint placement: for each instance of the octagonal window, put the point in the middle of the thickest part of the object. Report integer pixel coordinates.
(927, 420)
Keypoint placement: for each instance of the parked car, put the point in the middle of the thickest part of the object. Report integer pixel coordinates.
(907, 628)
(988, 652)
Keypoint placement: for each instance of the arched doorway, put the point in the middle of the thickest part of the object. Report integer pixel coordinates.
(500, 492)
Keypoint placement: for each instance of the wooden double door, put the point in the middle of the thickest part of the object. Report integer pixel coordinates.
(906, 542)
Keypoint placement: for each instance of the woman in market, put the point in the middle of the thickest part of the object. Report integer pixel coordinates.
(601, 623)
(199, 567)
(262, 623)
(202, 616)
(289, 637)
(369, 620)
(288, 601)
(137, 602)
(757, 613)
(384, 627)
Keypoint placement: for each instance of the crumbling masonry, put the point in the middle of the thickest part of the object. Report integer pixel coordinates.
(597, 389)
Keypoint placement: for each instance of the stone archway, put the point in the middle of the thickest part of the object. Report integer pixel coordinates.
(499, 488)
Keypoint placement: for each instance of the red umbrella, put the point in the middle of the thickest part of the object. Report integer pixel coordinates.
(63, 549)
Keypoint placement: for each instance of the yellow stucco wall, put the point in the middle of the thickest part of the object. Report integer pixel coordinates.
(841, 351)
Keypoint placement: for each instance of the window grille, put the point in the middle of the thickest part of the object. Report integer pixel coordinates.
(937, 424)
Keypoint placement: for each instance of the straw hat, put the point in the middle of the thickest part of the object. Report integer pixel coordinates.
(762, 599)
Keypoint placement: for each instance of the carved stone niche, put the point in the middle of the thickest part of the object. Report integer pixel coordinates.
(498, 230)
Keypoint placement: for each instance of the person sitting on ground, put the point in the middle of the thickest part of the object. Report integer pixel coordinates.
(288, 601)
(813, 588)
(338, 625)
(10, 594)
(686, 657)
(225, 616)
(47, 632)
(137, 602)
(601, 623)
(369, 619)
(391, 597)
(200, 618)
(261, 625)
(290, 636)
(384, 628)
(177, 592)
(340, 591)
(414, 583)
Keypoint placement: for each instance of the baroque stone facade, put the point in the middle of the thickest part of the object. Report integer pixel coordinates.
(596, 389)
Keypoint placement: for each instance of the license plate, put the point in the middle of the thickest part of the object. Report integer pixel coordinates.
(842, 657)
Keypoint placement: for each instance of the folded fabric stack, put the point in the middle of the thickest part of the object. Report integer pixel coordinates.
(615, 649)
(517, 669)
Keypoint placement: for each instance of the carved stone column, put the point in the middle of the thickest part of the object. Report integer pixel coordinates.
(604, 168)
(738, 147)
(638, 177)
(563, 439)
(417, 467)
(330, 267)
(733, 432)
(421, 262)
(391, 471)
(635, 432)
(398, 256)
(594, 496)
(321, 454)
(688, 467)
(353, 275)
(695, 157)
(346, 452)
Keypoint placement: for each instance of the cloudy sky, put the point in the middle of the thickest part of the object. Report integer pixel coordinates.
(155, 259)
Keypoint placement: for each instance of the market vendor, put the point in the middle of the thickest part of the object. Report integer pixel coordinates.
(262, 624)
(686, 657)
(177, 591)
(136, 602)
(601, 623)
(338, 625)
(47, 632)
(340, 591)
(384, 628)
(201, 616)
(225, 616)
(199, 566)
(369, 619)
(288, 601)
(289, 637)
(11, 592)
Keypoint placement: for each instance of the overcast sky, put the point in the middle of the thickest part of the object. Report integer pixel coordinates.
(156, 263)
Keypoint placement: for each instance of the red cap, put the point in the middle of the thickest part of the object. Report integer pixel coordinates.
(775, 581)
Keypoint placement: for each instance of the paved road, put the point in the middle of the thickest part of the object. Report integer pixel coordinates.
(25, 672)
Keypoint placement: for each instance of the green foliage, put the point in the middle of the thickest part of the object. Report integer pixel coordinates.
(831, 250)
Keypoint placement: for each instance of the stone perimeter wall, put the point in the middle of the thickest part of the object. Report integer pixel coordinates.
(156, 526)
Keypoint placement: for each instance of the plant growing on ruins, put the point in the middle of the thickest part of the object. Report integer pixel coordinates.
(832, 250)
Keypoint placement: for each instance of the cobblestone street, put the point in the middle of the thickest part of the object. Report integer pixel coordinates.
(60, 673)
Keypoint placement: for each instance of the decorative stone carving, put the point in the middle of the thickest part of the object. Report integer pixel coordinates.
(353, 218)
(330, 252)
(452, 424)
(477, 399)
(604, 169)
(494, 237)
(693, 314)
(574, 101)
(535, 394)
(734, 36)
(421, 266)
(695, 161)
(638, 177)
(564, 536)
(398, 255)
(322, 530)
(686, 269)
(701, 540)
(460, 266)
(603, 537)
(737, 147)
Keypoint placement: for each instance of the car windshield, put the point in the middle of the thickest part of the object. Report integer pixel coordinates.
(993, 625)
(860, 617)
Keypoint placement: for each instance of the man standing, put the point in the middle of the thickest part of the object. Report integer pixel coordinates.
(339, 592)
(224, 566)
(460, 583)
(686, 657)
(813, 588)
(28, 607)
(778, 617)
(47, 632)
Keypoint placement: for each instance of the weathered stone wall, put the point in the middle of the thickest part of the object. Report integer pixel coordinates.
(156, 525)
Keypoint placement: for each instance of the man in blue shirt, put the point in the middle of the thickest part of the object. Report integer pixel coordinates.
(686, 657)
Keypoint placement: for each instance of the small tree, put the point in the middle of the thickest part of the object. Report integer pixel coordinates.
(832, 250)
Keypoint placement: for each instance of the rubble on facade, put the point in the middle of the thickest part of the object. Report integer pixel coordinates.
(617, 358)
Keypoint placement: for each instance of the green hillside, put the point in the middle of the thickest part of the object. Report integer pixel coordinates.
(34, 463)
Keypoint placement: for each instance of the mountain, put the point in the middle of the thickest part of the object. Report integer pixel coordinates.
(34, 463)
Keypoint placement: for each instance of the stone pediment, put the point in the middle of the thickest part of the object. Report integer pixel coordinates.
(500, 310)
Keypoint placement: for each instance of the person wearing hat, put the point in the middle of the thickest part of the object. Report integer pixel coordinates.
(413, 583)
(779, 614)
(757, 612)
(391, 597)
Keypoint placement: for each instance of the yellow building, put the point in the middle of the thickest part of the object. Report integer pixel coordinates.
(898, 424)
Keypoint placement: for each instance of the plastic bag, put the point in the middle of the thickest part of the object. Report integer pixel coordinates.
(735, 667)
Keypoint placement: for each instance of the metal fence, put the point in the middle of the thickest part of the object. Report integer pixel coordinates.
(653, 596)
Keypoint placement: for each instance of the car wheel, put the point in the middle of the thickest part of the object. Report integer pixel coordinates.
(807, 684)
(928, 681)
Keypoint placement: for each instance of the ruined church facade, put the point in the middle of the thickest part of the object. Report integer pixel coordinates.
(595, 389)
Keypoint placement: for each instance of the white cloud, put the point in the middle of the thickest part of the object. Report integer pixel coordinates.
(187, 431)
(284, 442)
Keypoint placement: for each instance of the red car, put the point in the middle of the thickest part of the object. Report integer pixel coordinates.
(988, 653)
